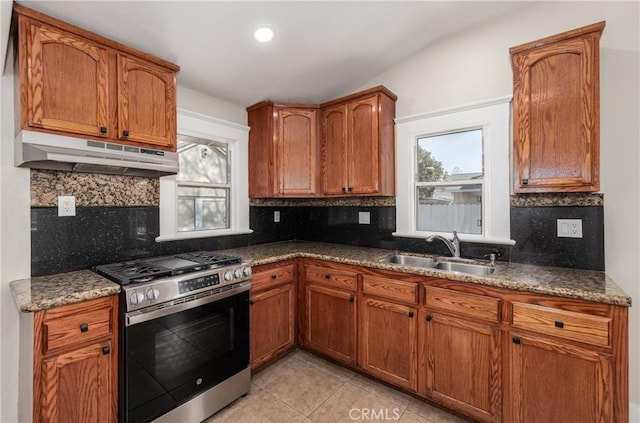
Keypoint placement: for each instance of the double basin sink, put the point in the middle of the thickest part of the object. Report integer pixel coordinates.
(445, 266)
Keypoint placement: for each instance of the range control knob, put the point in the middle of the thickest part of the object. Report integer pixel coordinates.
(137, 298)
(153, 294)
(228, 276)
(246, 271)
(237, 273)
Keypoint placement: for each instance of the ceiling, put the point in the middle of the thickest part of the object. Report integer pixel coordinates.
(321, 49)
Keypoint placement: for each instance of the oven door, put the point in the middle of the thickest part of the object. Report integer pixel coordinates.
(171, 358)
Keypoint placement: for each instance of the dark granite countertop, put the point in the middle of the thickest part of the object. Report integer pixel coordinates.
(585, 285)
(44, 292)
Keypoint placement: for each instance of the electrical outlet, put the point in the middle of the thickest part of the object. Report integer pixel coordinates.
(364, 218)
(276, 216)
(569, 228)
(66, 205)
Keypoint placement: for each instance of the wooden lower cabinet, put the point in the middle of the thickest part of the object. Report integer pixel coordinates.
(79, 386)
(492, 354)
(331, 322)
(462, 365)
(388, 341)
(555, 382)
(272, 323)
(75, 363)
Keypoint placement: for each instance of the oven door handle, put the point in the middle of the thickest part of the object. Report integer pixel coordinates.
(144, 315)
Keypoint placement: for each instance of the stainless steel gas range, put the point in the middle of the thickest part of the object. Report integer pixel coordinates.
(184, 344)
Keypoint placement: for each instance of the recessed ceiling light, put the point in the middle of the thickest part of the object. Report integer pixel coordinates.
(264, 34)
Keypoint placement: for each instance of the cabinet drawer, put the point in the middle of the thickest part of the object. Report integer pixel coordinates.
(390, 288)
(77, 328)
(471, 305)
(565, 324)
(332, 277)
(270, 277)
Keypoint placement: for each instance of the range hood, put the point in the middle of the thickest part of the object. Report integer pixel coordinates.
(40, 150)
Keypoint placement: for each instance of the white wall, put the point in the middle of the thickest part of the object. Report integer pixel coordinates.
(475, 65)
(201, 103)
(15, 248)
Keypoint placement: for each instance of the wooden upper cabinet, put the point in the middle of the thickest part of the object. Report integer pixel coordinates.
(65, 81)
(557, 112)
(146, 102)
(297, 152)
(283, 151)
(364, 147)
(355, 154)
(76, 83)
(358, 144)
(334, 149)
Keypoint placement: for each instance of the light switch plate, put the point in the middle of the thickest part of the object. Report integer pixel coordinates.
(569, 228)
(364, 218)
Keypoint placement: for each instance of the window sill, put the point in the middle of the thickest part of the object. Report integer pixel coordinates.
(463, 238)
(203, 234)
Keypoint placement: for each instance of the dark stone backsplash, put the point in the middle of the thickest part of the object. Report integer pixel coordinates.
(111, 234)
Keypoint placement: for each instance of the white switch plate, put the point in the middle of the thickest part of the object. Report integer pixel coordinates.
(66, 205)
(364, 218)
(276, 216)
(569, 228)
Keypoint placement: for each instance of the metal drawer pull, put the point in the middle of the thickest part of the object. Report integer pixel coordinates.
(429, 317)
(411, 314)
(273, 276)
(327, 276)
(352, 299)
(559, 324)
(103, 130)
(84, 327)
(251, 301)
(516, 340)
(106, 350)
(125, 133)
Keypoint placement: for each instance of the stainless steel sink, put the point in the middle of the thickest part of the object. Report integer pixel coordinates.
(410, 261)
(471, 269)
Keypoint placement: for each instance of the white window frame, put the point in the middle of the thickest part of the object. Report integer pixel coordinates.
(236, 136)
(493, 116)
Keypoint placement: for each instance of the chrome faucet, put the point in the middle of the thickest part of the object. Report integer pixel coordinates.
(453, 245)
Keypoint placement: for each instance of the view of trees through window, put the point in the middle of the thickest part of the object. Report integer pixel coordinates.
(203, 184)
(449, 183)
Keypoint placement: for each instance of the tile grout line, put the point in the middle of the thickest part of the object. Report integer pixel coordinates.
(295, 409)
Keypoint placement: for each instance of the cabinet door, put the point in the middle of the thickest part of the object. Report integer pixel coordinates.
(363, 160)
(298, 152)
(551, 382)
(146, 103)
(463, 366)
(388, 334)
(272, 323)
(330, 318)
(334, 150)
(65, 79)
(556, 117)
(77, 386)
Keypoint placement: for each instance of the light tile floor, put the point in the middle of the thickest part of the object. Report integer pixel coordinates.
(304, 388)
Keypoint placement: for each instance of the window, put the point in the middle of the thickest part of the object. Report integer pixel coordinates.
(203, 184)
(453, 173)
(449, 182)
(209, 196)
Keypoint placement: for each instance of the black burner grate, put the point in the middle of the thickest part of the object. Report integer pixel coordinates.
(211, 258)
(132, 271)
